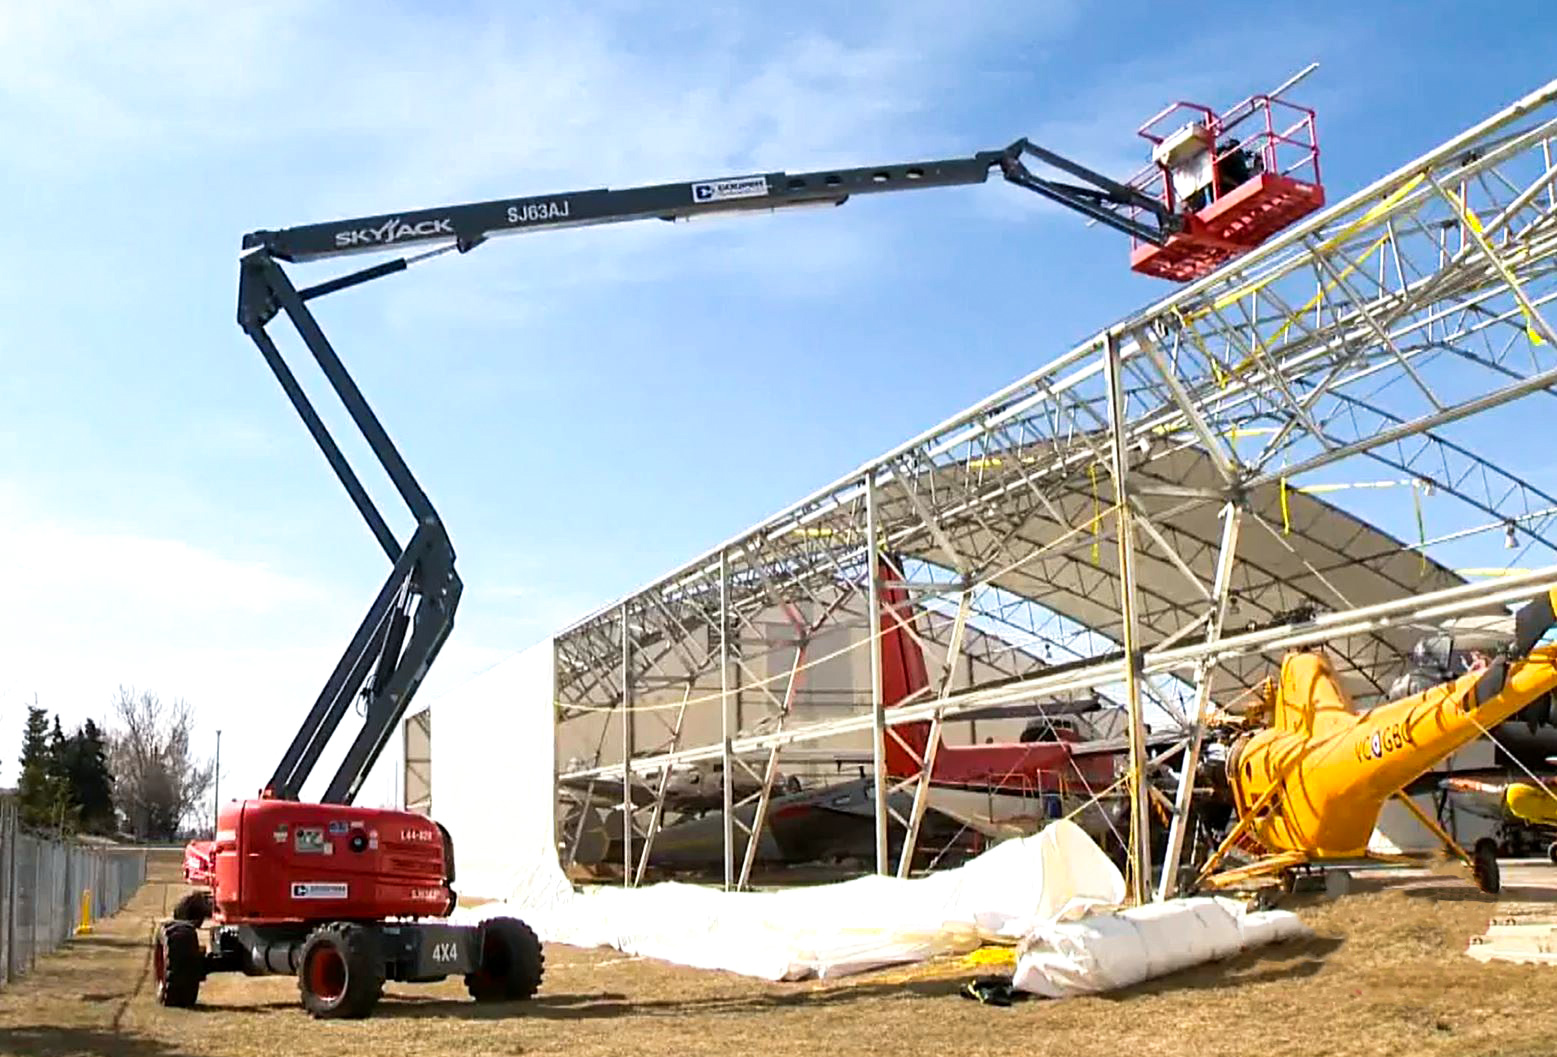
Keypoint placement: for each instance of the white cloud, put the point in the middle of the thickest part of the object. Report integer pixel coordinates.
(248, 646)
(426, 108)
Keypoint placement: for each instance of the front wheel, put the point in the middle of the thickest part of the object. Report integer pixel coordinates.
(1484, 866)
(194, 908)
(341, 971)
(177, 964)
(509, 962)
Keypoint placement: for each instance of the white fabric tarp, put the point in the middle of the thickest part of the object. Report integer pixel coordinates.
(1103, 952)
(826, 930)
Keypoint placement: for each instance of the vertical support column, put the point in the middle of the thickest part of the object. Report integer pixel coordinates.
(878, 723)
(726, 762)
(657, 812)
(905, 859)
(1140, 820)
(1232, 517)
(627, 753)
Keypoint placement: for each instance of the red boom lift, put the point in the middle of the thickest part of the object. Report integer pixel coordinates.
(345, 897)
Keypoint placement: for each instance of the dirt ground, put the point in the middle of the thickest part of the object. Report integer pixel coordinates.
(1386, 974)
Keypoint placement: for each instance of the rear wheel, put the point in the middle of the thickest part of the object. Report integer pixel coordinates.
(177, 964)
(341, 972)
(1484, 866)
(509, 962)
(194, 908)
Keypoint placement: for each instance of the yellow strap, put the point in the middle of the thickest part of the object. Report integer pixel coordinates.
(1097, 513)
(1421, 529)
(1286, 514)
(1474, 223)
(990, 956)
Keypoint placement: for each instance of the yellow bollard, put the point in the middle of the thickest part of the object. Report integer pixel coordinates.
(85, 928)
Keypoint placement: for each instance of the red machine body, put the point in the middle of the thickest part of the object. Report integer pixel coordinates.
(199, 863)
(281, 860)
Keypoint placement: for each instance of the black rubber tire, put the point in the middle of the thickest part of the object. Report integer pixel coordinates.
(340, 973)
(194, 908)
(509, 962)
(1551, 852)
(1484, 866)
(177, 964)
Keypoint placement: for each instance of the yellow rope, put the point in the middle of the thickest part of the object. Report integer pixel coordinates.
(1421, 526)
(1097, 513)
(1474, 223)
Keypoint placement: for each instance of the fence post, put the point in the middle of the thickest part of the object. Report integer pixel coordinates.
(7, 886)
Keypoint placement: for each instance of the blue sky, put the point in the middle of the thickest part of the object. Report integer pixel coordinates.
(586, 408)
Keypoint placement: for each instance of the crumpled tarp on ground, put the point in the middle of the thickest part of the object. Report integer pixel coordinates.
(827, 930)
(1055, 892)
(1104, 952)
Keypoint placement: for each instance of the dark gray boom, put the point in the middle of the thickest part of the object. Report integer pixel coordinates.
(413, 612)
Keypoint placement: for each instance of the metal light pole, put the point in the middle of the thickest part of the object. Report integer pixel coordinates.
(216, 793)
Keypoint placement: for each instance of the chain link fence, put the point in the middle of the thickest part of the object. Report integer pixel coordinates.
(43, 883)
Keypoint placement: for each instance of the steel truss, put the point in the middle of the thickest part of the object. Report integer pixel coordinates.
(1151, 493)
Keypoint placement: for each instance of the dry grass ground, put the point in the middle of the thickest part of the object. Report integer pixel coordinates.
(1385, 975)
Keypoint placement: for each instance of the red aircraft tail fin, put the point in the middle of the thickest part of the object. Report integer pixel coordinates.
(903, 673)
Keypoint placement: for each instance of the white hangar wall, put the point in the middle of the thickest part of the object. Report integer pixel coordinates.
(492, 771)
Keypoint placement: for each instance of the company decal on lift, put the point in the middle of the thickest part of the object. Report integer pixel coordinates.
(723, 190)
(537, 212)
(392, 231)
(1383, 742)
(318, 890)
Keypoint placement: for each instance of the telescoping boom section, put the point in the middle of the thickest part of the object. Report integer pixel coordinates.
(466, 226)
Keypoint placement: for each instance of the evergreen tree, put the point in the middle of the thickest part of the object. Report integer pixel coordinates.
(64, 813)
(90, 781)
(40, 792)
(30, 788)
(66, 784)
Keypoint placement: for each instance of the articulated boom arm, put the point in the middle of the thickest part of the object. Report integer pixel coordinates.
(414, 610)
